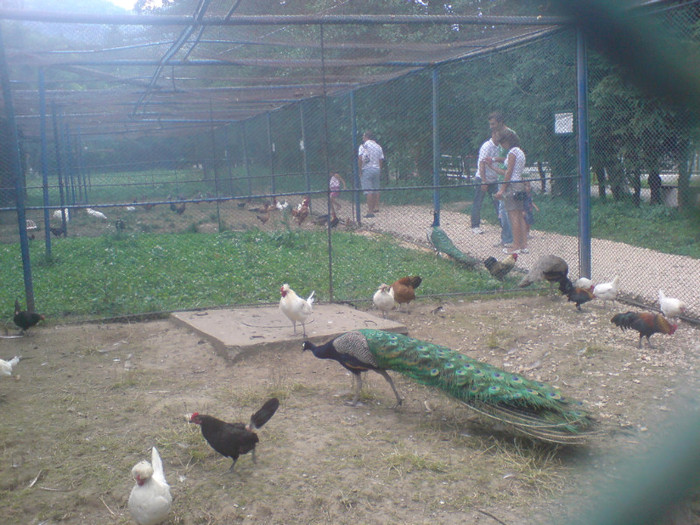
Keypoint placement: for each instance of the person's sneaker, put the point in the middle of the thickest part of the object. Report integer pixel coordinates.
(478, 230)
(369, 216)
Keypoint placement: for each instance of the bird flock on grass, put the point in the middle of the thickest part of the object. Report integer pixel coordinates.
(526, 406)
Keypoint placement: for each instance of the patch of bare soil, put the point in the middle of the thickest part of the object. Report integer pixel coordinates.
(90, 401)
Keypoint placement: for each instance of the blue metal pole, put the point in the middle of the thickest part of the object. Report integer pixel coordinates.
(16, 169)
(303, 146)
(59, 169)
(436, 150)
(584, 225)
(246, 160)
(271, 149)
(44, 161)
(355, 170)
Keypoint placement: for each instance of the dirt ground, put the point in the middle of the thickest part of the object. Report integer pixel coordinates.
(90, 400)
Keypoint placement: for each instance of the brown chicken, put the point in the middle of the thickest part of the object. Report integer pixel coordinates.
(404, 289)
(646, 323)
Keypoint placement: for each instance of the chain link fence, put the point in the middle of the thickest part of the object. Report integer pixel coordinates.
(208, 176)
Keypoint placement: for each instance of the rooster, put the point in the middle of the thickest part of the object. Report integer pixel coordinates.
(575, 294)
(670, 307)
(25, 320)
(607, 291)
(547, 268)
(301, 212)
(295, 308)
(7, 366)
(234, 439)
(499, 269)
(150, 499)
(404, 289)
(179, 207)
(646, 323)
(383, 299)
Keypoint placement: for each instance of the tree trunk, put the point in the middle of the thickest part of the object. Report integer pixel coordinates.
(636, 181)
(543, 176)
(599, 170)
(654, 181)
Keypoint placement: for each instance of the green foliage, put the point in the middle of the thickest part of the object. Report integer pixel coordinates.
(656, 227)
(120, 274)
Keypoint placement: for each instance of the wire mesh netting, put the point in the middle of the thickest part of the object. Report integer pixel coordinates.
(134, 128)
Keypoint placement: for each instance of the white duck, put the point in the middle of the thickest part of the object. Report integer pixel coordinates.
(670, 306)
(607, 291)
(150, 499)
(383, 299)
(295, 308)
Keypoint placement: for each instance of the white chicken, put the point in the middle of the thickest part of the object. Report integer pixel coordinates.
(58, 215)
(607, 291)
(384, 299)
(7, 366)
(150, 499)
(584, 282)
(95, 213)
(295, 308)
(670, 306)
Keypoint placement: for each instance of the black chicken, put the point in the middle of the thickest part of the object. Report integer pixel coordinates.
(58, 232)
(233, 439)
(575, 294)
(25, 320)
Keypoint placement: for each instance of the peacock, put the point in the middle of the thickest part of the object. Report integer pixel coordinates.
(441, 243)
(533, 408)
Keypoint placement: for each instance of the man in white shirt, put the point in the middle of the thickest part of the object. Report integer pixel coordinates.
(370, 158)
(489, 181)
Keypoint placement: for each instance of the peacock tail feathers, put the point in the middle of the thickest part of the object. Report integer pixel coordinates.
(533, 408)
(442, 244)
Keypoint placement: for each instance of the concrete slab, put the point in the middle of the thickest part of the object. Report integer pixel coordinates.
(238, 332)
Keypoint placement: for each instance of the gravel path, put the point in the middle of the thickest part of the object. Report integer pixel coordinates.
(642, 271)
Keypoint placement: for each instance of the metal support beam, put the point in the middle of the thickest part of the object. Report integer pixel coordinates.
(436, 148)
(16, 170)
(584, 172)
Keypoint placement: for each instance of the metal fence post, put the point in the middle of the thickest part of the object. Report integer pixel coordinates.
(436, 149)
(16, 168)
(584, 194)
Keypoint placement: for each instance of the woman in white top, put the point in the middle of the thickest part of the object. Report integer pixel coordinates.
(513, 189)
